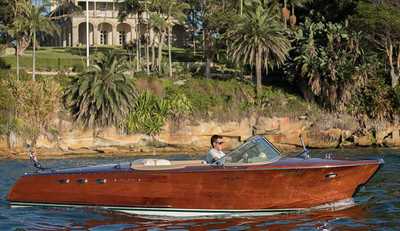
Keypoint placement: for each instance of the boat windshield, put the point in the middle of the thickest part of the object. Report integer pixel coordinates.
(256, 149)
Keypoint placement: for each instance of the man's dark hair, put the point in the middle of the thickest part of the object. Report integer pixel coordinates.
(215, 138)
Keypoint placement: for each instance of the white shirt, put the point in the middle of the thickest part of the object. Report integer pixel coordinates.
(214, 155)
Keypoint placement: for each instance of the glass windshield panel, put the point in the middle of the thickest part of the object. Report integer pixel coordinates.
(253, 151)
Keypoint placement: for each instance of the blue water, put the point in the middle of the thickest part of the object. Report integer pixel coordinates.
(377, 205)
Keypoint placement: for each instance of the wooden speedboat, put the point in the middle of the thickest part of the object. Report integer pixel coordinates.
(252, 179)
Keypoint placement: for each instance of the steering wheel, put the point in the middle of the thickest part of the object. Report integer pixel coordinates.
(245, 158)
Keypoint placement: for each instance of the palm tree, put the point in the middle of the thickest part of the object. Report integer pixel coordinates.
(65, 9)
(33, 20)
(259, 39)
(147, 35)
(103, 94)
(126, 8)
(17, 31)
(167, 13)
(14, 30)
(159, 25)
(175, 16)
(294, 3)
(63, 13)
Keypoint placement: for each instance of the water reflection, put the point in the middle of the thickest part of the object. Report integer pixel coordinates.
(348, 219)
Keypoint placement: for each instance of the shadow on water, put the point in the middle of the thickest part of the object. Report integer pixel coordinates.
(377, 205)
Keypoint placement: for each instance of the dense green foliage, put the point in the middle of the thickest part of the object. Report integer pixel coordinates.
(259, 39)
(148, 115)
(28, 20)
(342, 55)
(150, 112)
(103, 94)
(225, 100)
(330, 59)
(26, 106)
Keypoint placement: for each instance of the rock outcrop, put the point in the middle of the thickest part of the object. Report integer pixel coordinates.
(195, 137)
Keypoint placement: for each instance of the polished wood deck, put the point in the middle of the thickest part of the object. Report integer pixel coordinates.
(285, 184)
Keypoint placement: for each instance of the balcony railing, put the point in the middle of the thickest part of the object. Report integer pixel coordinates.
(104, 14)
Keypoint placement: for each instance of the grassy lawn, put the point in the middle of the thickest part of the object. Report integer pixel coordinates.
(54, 58)
(48, 58)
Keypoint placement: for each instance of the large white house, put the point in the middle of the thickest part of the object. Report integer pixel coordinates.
(104, 27)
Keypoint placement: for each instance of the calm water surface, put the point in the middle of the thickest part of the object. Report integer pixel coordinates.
(377, 205)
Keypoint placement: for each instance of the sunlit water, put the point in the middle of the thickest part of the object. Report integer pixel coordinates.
(377, 205)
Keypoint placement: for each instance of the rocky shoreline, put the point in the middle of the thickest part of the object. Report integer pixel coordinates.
(193, 137)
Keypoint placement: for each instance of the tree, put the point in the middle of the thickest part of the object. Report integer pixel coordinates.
(329, 57)
(213, 18)
(6, 12)
(259, 39)
(169, 13)
(159, 26)
(39, 23)
(381, 24)
(62, 14)
(30, 20)
(103, 94)
(13, 29)
(296, 3)
(210, 28)
(127, 7)
(175, 16)
(64, 10)
(193, 20)
(31, 105)
(333, 10)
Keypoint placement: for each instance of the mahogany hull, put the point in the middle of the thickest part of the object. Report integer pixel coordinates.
(284, 185)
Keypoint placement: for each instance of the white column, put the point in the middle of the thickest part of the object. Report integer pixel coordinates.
(69, 39)
(115, 36)
(92, 41)
(96, 36)
(75, 35)
(87, 33)
(94, 9)
(64, 37)
(113, 10)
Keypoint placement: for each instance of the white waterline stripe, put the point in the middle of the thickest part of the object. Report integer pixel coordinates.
(26, 204)
(178, 212)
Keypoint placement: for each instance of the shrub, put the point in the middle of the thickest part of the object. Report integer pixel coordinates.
(102, 95)
(179, 105)
(376, 100)
(150, 111)
(148, 115)
(30, 106)
(78, 68)
(3, 64)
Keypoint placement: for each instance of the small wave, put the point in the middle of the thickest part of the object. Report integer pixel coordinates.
(334, 206)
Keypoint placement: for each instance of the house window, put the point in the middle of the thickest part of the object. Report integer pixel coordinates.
(122, 38)
(103, 37)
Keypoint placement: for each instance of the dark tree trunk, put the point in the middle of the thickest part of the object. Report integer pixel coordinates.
(169, 52)
(160, 46)
(208, 52)
(258, 72)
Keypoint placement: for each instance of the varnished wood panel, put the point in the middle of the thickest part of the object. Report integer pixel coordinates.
(276, 186)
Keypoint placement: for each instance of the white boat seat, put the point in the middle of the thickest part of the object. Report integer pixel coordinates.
(152, 162)
(162, 164)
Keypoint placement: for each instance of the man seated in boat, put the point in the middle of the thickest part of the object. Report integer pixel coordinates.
(215, 153)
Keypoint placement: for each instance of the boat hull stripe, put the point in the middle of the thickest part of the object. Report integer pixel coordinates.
(23, 204)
